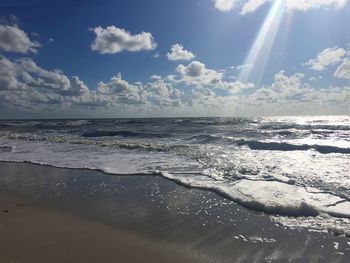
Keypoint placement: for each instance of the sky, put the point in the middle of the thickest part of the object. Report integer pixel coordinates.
(163, 58)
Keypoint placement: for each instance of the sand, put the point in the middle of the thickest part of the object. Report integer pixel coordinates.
(34, 233)
(61, 215)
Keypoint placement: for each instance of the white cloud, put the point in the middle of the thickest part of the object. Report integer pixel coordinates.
(304, 5)
(156, 55)
(161, 93)
(179, 53)
(315, 78)
(27, 87)
(121, 90)
(284, 89)
(25, 74)
(155, 77)
(250, 6)
(197, 73)
(290, 94)
(113, 40)
(77, 87)
(225, 5)
(195, 90)
(13, 39)
(8, 75)
(243, 66)
(343, 71)
(329, 56)
(235, 87)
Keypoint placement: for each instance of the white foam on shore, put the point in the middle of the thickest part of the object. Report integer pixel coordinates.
(270, 196)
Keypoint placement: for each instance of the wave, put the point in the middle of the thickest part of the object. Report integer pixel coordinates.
(164, 147)
(205, 138)
(287, 126)
(5, 149)
(125, 133)
(268, 146)
(122, 144)
(283, 146)
(223, 121)
(270, 197)
(110, 134)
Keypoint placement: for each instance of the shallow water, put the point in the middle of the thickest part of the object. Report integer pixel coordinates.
(294, 168)
(198, 221)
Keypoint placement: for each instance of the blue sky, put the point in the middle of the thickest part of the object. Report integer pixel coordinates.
(218, 34)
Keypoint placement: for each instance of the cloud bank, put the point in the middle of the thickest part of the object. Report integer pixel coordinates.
(193, 90)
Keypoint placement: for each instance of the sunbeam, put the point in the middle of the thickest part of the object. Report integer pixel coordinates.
(260, 52)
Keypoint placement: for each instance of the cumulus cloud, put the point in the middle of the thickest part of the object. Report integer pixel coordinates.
(25, 73)
(327, 57)
(26, 86)
(225, 5)
(283, 88)
(194, 90)
(235, 86)
(155, 77)
(113, 40)
(8, 75)
(305, 5)
(197, 73)
(291, 94)
(77, 88)
(13, 39)
(250, 6)
(179, 53)
(161, 93)
(121, 90)
(330, 57)
(343, 71)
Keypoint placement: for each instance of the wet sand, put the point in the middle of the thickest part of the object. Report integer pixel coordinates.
(35, 233)
(61, 215)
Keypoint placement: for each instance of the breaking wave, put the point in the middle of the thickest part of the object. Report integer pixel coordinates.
(292, 168)
(283, 146)
(269, 145)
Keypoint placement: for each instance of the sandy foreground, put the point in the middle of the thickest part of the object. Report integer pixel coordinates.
(34, 233)
(62, 215)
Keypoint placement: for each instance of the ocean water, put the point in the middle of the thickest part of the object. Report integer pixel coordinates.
(295, 169)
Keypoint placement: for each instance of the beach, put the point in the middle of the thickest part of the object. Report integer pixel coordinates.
(70, 215)
(37, 233)
(175, 131)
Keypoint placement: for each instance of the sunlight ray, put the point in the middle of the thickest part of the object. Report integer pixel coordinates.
(261, 49)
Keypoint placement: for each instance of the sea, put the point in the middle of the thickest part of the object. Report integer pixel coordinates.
(293, 169)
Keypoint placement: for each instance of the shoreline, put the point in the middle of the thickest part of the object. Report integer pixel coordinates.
(198, 224)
